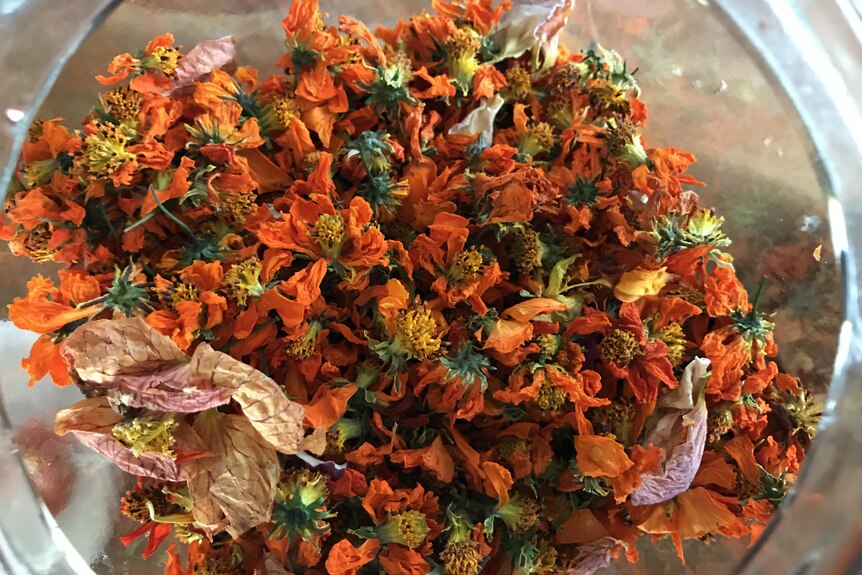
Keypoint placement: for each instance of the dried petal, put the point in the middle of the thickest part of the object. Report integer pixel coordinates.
(91, 422)
(205, 57)
(682, 434)
(139, 366)
(480, 121)
(593, 556)
(533, 25)
(264, 403)
(241, 481)
(102, 350)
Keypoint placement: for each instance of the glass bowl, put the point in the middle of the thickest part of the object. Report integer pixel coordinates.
(761, 92)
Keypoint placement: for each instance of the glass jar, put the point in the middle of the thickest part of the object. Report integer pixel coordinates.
(762, 92)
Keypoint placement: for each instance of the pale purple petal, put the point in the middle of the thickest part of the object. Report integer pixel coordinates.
(592, 557)
(335, 470)
(681, 466)
(680, 428)
(207, 56)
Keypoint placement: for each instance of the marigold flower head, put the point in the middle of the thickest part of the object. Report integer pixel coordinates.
(520, 514)
(163, 59)
(243, 279)
(466, 265)
(519, 85)
(619, 347)
(123, 104)
(104, 151)
(462, 47)
(461, 558)
(417, 333)
(408, 528)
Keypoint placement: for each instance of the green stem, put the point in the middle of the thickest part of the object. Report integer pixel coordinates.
(757, 294)
(172, 217)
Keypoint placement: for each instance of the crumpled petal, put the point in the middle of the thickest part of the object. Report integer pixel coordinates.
(205, 57)
(92, 420)
(241, 481)
(480, 121)
(533, 25)
(682, 433)
(591, 557)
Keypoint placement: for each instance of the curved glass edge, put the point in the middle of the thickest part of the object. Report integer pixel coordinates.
(46, 34)
(813, 48)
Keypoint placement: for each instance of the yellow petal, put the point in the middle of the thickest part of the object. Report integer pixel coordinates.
(637, 283)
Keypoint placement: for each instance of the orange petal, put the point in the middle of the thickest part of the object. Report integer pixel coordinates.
(741, 449)
(600, 456)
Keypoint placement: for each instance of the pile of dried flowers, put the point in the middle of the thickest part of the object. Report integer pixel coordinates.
(423, 303)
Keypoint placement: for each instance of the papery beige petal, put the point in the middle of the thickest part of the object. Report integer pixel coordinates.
(101, 350)
(242, 479)
(264, 403)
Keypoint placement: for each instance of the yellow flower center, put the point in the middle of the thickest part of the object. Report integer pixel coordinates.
(285, 110)
(37, 241)
(526, 250)
(104, 152)
(606, 97)
(163, 59)
(566, 78)
(244, 280)
(461, 558)
(466, 265)
(412, 527)
(520, 514)
(549, 343)
(462, 43)
(546, 560)
(538, 139)
(329, 231)
(303, 346)
(236, 207)
(558, 109)
(145, 435)
(519, 83)
(674, 337)
(185, 292)
(417, 333)
(310, 161)
(550, 397)
(620, 347)
(612, 420)
(462, 47)
(718, 423)
(511, 445)
(123, 104)
(805, 412)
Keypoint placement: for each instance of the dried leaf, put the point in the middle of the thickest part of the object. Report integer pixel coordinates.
(682, 433)
(205, 57)
(264, 403)
(315, 442)
(92, 420)
(241, 481)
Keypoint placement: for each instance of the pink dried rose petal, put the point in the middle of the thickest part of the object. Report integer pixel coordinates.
(205, 57)
(263, 401)
(682, 433)
(241, 480)
(91, 422)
